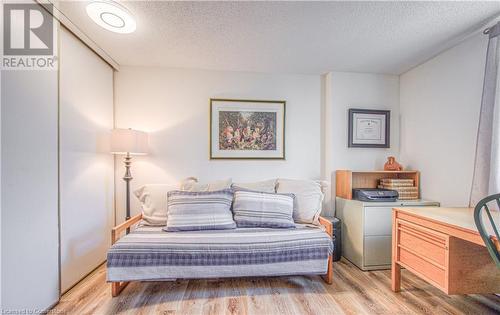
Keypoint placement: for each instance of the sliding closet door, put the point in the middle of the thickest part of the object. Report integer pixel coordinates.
(86, 166)
(30, 272)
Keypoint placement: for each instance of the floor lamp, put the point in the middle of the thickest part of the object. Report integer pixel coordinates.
(128, 142)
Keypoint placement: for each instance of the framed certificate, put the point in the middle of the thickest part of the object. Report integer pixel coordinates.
(369, 128)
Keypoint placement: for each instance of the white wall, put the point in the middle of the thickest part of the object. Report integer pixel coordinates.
(173, 106)
(344, 90)
(30, 272)
(440, 102)
(86, 165)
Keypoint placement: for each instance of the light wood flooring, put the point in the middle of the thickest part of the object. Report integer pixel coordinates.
(352, 292)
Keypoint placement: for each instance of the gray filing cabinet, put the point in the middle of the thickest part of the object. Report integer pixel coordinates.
(367, 229)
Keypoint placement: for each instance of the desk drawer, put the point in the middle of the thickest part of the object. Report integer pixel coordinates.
(423, 251)
(423, 242)
(423, 268)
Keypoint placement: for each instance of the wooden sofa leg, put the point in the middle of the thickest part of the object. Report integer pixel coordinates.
(117, 287)
(328, 278)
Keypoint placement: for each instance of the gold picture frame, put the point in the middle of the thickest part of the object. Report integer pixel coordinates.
(270, 145)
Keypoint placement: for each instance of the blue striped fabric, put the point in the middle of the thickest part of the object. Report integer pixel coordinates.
(260, 209)
(148, 253)
(193, 211)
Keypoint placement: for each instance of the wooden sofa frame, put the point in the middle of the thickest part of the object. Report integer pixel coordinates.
(117, 287)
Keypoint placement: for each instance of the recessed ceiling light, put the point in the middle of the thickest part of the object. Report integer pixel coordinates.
(111, 16)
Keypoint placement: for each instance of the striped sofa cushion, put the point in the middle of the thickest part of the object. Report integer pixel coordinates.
(260, 209)
(193, 211)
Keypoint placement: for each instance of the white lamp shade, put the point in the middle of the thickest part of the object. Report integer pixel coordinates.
(130, 141)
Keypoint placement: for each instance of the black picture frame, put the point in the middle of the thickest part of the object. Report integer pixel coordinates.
(386, 115)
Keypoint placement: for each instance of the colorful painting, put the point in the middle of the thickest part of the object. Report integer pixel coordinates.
(247, 129)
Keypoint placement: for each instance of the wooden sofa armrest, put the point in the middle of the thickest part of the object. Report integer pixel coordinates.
(115, 232)
(327, 224)
(328, 277)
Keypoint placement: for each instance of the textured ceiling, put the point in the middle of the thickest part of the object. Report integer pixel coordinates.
(286, 37)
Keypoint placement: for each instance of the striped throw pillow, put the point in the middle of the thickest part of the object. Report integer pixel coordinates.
(194, 211)
(260, 209)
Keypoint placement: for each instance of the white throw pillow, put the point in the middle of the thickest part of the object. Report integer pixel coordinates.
(308, 198)
(153, 200)
(268, 186)
(191, 184)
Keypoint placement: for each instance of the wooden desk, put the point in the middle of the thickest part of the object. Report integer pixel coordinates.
(443, 247)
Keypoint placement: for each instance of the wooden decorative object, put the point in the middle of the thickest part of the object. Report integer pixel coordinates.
(347, 180)
(392, 165)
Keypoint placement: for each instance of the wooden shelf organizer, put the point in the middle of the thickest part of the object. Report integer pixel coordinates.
(347, 180)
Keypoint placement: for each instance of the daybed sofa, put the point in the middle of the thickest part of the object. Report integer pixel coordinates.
(149, 253)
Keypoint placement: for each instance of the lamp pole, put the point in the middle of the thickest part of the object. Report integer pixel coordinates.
(128, 142)
(127, 178)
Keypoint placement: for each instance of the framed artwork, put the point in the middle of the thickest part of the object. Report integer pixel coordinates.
(369, 128)
(247, 129)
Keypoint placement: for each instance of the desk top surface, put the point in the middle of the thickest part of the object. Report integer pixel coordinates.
(460, 217)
